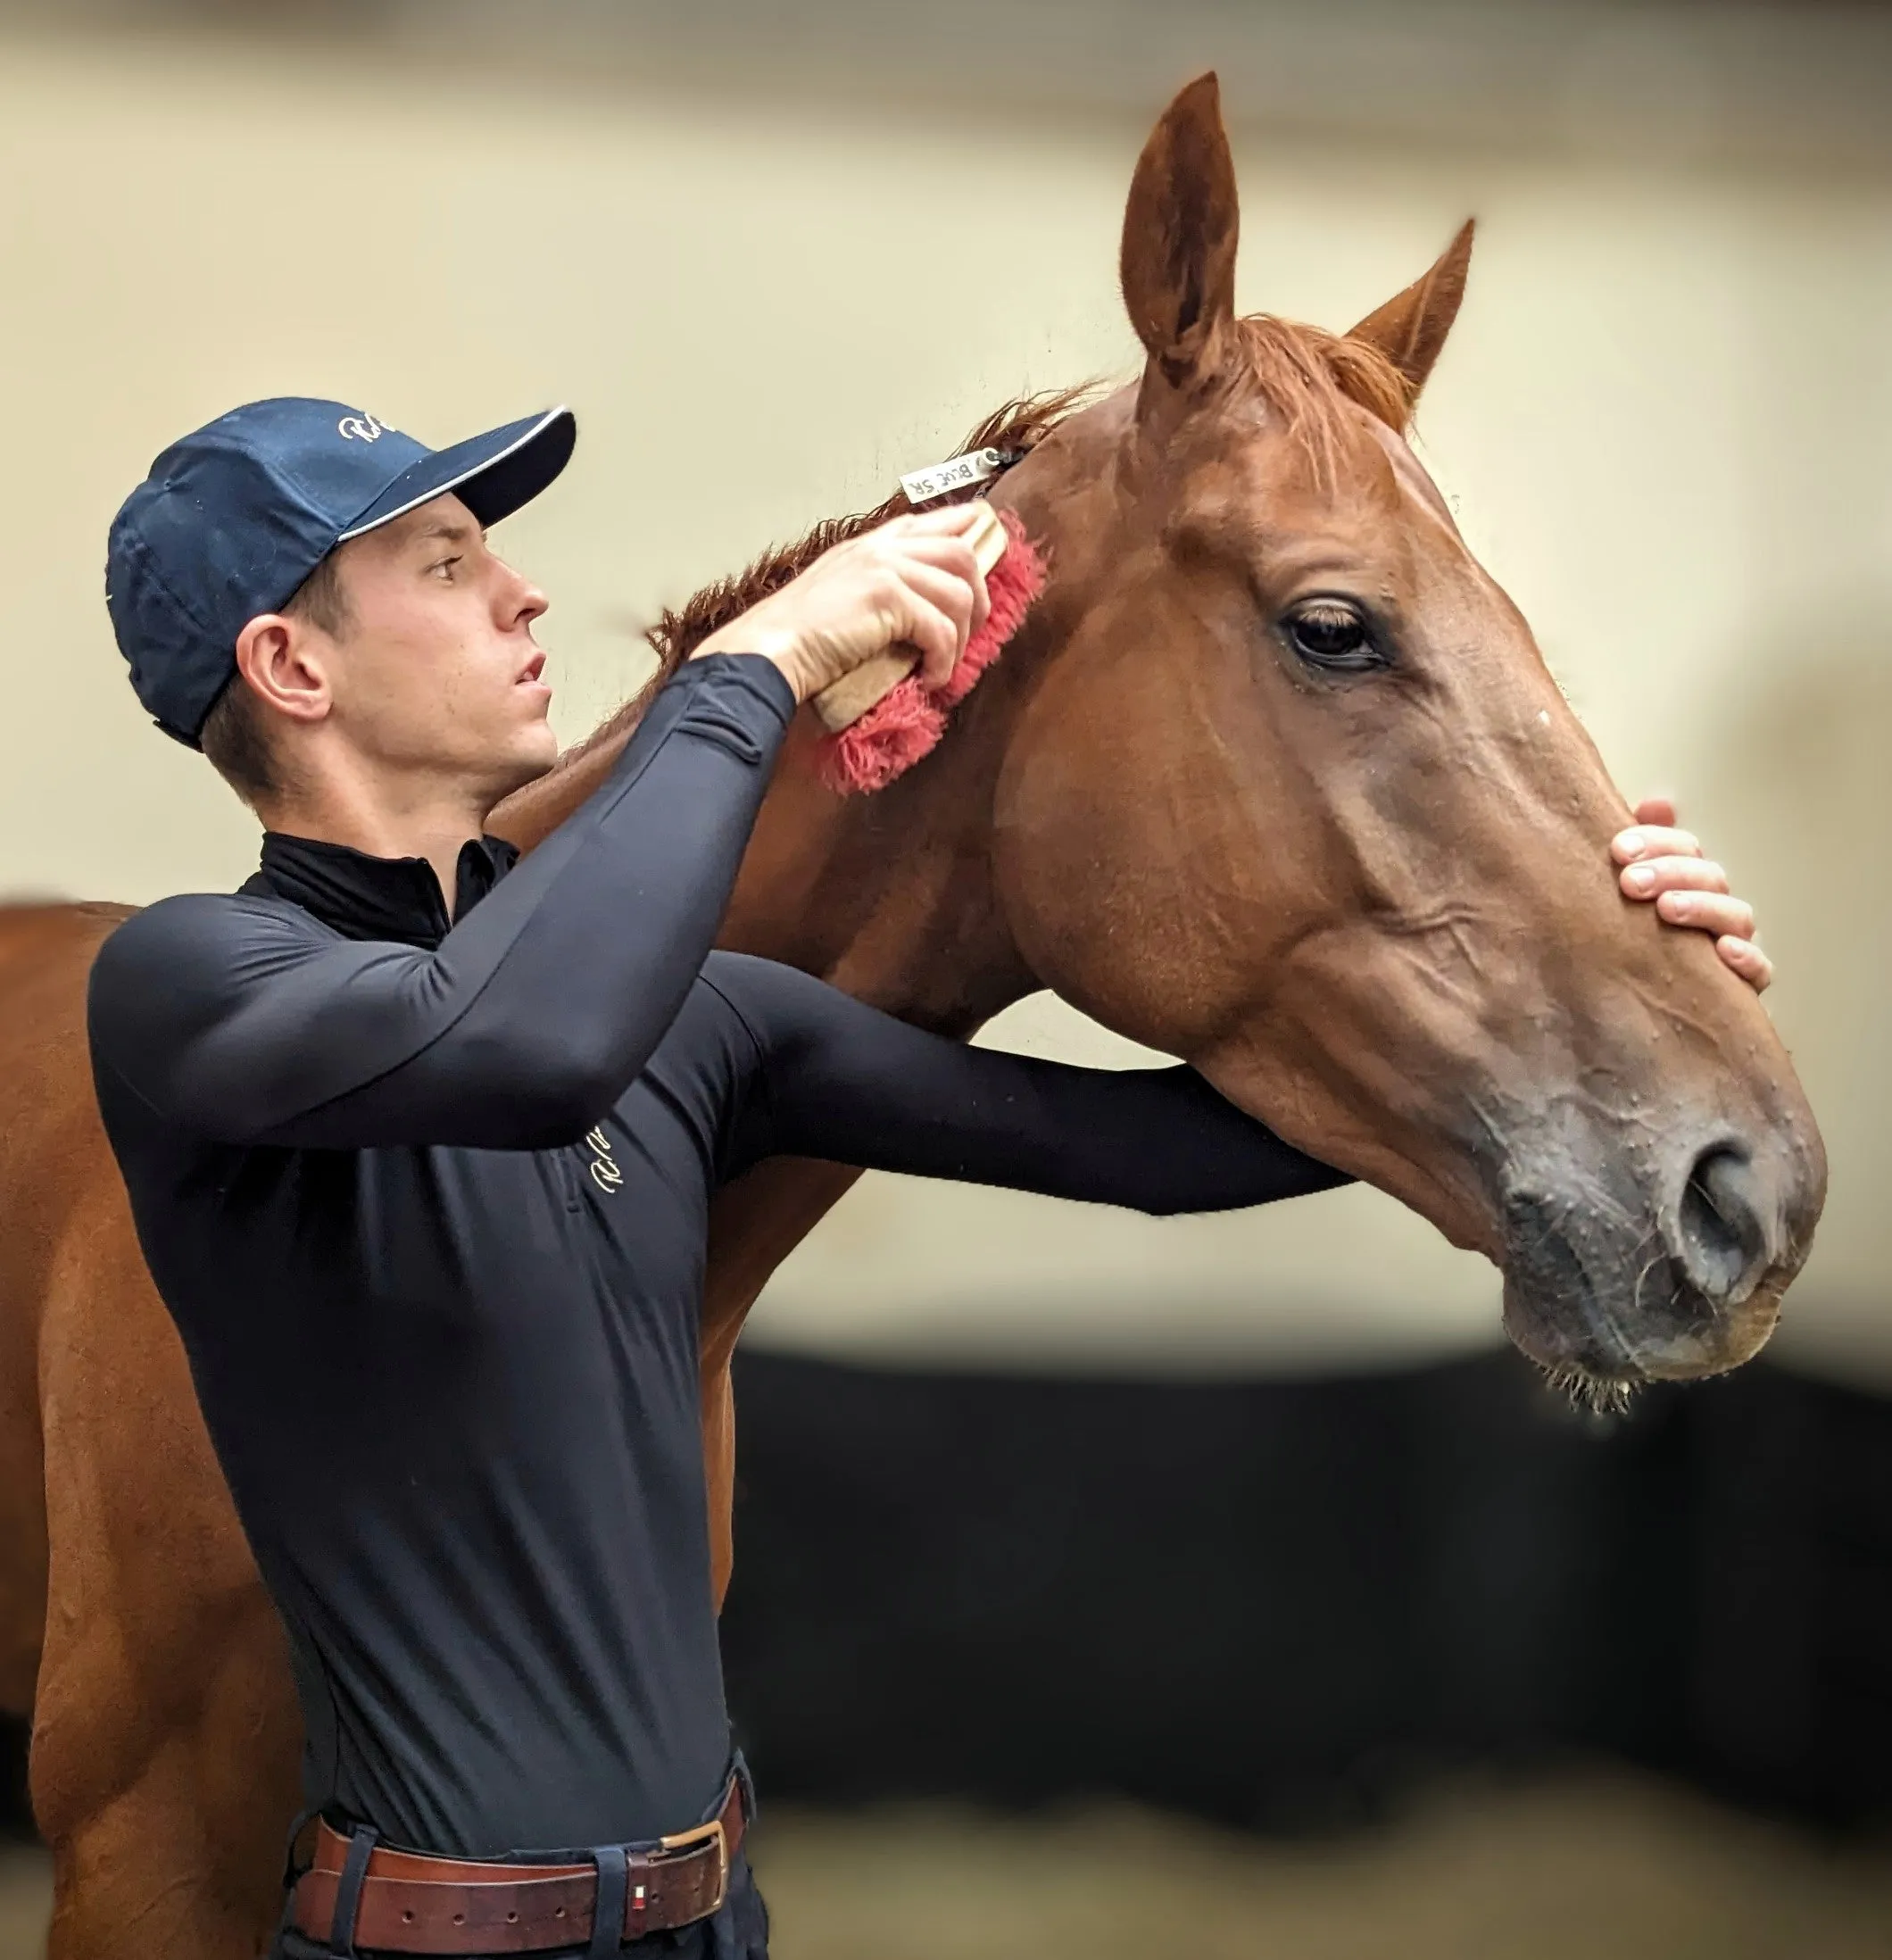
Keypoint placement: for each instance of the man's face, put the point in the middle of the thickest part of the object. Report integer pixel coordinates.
(434, 670)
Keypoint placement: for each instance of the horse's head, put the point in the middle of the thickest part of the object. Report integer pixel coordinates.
(1296, 798)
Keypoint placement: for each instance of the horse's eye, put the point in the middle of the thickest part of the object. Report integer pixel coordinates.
(1330, 633)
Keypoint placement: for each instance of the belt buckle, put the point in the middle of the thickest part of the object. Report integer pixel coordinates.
(685, 1841)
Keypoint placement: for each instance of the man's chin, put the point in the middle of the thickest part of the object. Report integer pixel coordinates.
(530, 760)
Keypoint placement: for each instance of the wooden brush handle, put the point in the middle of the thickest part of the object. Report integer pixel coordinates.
(842, 703)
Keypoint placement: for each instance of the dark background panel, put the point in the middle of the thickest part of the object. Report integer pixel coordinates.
(1281, 1603)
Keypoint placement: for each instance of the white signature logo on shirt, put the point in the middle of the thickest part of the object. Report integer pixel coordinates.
(604, 1171)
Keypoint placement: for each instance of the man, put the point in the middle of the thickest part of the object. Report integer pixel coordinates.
(455, 1394)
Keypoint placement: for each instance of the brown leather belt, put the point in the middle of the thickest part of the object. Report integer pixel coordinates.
(412, 1903)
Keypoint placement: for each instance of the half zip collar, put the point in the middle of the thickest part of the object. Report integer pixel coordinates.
(362, 897)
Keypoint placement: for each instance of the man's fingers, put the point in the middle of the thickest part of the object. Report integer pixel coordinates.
(1707, 912)
(928, 613)
(937, 592)
(914, 579)
(1654, 841)
(951, 521)
(954, 556)
(934, 633)
(1746, 958)
(1663, 862)
(1648, 878)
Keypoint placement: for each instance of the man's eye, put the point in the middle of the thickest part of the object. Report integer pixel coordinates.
(1331, 634)
(445, 569)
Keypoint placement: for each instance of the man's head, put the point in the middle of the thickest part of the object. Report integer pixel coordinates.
(307, 594)
(407, 652)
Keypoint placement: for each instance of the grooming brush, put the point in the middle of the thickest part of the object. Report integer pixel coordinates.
(880, 719)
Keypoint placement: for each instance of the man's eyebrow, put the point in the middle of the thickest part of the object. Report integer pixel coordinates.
(446, 527)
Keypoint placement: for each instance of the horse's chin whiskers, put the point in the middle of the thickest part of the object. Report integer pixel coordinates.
(1598, 1394)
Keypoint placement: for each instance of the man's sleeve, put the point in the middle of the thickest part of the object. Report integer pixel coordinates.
(244, 1024)
(836, 1080)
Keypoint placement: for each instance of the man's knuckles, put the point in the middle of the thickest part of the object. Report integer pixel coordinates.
(1707, 911)
(1694, 874)
(1647, 877)
(1746, 959)
(1648, 841)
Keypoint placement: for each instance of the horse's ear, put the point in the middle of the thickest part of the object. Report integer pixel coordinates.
(1410, 330)
(1179, 228)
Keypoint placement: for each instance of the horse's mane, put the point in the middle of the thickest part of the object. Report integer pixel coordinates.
(1308, 375)
(1018, 426)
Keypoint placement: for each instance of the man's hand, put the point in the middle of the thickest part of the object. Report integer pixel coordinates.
(1665, 864)
(913, 579)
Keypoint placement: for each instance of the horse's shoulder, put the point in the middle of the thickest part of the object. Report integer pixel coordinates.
(46, 944)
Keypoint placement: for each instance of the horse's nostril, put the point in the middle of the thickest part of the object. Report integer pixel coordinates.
(1724, 1246)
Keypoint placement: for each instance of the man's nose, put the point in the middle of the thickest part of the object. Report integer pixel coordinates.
(522, 602)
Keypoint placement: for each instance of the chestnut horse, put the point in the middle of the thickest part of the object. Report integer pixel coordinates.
(1274, 779)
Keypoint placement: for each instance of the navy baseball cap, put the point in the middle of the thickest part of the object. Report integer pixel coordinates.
(234, 517)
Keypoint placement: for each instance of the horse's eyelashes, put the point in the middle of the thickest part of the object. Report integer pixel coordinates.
(1333, 634)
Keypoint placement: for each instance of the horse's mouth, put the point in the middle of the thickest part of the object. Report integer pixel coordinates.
(1599, 1394)
(1604, 1308)
(1574, 1341)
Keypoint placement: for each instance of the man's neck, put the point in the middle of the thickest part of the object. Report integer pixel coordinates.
(434, 828)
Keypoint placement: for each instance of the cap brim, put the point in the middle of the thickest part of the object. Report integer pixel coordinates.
(493, 475)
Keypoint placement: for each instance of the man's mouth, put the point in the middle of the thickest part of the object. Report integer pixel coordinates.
(529, 674)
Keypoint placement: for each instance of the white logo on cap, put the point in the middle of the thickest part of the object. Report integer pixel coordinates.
(361, 428)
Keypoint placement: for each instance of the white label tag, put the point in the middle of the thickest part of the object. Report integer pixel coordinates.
(960, 473)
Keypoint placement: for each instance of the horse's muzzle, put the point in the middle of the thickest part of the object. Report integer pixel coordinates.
(1663, 1258)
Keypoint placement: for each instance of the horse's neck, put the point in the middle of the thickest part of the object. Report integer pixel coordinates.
(888, 896)
(892, 896)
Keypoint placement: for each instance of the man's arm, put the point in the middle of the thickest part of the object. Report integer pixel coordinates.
(843, 1082)
(244, 1024)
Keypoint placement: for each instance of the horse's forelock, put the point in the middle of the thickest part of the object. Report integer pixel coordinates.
(1311, 378)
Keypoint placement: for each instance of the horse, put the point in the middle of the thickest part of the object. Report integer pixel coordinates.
(1274, 779)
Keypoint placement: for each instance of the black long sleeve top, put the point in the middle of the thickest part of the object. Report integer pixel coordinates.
(428, 1204)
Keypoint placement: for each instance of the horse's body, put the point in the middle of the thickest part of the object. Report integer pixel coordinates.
(1368, 898)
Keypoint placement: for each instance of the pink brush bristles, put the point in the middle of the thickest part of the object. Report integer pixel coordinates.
(905, 724)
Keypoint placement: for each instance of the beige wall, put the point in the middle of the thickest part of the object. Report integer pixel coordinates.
(1665, 418)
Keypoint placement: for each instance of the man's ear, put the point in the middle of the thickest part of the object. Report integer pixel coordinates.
(1410, 328)
(279, 658)
(1181, 226)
